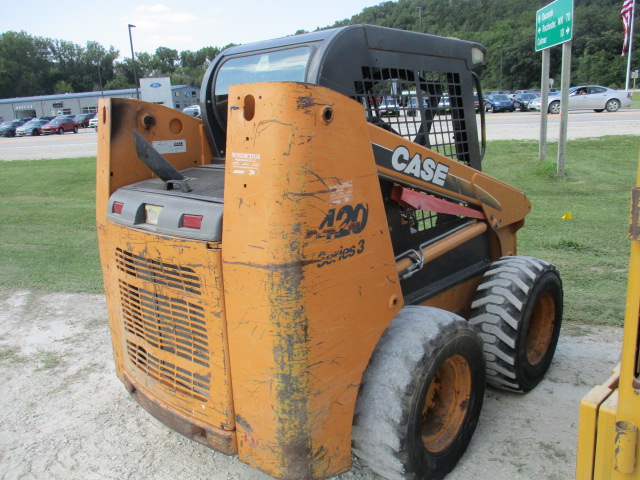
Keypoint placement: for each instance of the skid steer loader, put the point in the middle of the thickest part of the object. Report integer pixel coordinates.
(320, 266)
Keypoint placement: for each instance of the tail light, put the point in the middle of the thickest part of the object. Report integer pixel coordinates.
(192, 221)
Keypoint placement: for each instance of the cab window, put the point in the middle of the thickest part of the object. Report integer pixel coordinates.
(276, 66)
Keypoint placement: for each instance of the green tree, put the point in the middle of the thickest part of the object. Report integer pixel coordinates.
(62, 86)
(24, 65)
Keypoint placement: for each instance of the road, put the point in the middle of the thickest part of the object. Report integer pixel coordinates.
(69, 145)
(500, 126)
(526, 125)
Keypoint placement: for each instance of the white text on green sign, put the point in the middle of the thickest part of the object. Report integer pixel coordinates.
(554, 24)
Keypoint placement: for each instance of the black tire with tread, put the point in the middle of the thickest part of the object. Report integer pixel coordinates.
(518, 314)
(392, 431)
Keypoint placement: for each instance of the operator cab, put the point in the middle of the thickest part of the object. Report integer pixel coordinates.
(428, 79)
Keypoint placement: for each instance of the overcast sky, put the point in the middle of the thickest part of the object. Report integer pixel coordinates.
(182, 25)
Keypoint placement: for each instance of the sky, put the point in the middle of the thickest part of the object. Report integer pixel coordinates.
(181, 25)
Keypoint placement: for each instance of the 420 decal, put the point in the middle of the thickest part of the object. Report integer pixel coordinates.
(341, 222)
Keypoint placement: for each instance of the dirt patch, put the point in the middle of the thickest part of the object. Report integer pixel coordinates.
(67, 416)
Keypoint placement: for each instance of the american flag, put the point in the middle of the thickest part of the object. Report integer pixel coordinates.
(625, 15)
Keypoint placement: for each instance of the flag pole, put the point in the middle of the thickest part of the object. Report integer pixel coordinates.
(630, 50)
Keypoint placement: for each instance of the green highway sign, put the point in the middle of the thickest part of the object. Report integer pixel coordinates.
(554, 24)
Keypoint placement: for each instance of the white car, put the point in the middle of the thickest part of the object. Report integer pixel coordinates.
(193, 110)
(588, 97)
(93, 123)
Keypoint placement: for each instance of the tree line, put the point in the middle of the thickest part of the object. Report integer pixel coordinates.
(507, 29)
(31, 65)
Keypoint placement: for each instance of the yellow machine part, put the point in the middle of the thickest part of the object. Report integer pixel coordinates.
(309, 272)
(608, 447)
(164, 295)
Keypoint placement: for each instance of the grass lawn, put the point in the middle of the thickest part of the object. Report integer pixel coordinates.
(48, 225)
(49, 242)
(591, 250)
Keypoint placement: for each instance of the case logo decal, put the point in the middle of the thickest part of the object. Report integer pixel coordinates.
(428, 169)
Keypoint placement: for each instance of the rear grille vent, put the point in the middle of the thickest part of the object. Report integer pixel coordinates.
(171, 376)
(160, 273)
(169, 324)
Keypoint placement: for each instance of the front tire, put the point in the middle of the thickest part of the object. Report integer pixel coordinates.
(75, 129)
(518, 312)
(61, 131)
(554, 107)
(421, 395)
(612, 105)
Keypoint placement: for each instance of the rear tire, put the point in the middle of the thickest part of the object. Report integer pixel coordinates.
(421, 395)
(518, 312)
(612, 105)
(75, 129)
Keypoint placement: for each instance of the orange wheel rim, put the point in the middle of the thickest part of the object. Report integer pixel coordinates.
(541, 328)
(446, 404)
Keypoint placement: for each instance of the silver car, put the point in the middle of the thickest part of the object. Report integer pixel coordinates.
(588, 97)
(32, 127)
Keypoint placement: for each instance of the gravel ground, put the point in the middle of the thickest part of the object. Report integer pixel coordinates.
(67, 416)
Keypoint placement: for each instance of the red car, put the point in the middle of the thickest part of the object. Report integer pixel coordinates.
(59, 126)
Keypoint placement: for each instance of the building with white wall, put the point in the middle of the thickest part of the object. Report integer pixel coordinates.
(87, 102)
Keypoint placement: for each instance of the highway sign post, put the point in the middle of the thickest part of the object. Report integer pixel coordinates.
(554, 26)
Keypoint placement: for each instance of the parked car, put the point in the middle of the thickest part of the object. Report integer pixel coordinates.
(498, 102)
(521, 101)
(444, 104)
(83, 119)
(32, 127)
(8, 129)
(476, 102)
(93, 123)
(389, 107)
(588, 97)
(59, 126)
(193, 110)
(412, 106)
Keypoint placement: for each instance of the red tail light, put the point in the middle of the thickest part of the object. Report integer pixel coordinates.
(117, 207)
(192, 221)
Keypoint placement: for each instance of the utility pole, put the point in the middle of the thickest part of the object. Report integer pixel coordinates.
(100, 80)
(133, 59)
(500, 84)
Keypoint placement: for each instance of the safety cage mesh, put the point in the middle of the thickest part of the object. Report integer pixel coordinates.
(423, 107)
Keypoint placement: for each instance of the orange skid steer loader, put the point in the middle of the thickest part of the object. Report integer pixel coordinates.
(319, 265)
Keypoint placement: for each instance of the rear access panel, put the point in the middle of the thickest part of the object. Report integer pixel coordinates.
(169, 333)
